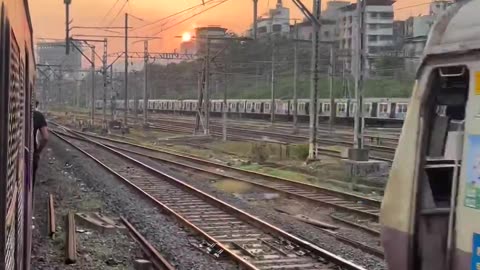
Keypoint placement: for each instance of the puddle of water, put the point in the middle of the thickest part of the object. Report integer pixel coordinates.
(232, 186)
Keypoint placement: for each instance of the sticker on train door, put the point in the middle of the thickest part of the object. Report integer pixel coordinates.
(476, 252)
(472, 191)
(477, 83)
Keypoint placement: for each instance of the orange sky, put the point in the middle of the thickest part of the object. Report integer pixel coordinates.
(49, 17)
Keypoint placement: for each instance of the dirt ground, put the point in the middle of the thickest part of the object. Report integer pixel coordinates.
(96, 250)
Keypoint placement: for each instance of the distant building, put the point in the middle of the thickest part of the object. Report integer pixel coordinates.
(327, 33)
(398, 35)
(333, 9)
(276, 22)
(416, 34)
(212, 33)
(378, 38)
(188, 47)
(330, 29)
(53, 53)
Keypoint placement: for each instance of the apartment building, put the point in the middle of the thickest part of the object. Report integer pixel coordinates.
(277, 22)
(378, 38)
(416, 34)
(329, 32)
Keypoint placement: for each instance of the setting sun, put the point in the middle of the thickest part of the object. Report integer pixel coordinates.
(186, 37)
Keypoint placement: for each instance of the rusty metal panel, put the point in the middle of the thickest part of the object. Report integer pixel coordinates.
(19, 230)
(3, 124)
(16, 136)
(13, 171)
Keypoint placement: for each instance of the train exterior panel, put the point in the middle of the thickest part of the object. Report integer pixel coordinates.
(17, 74)
(430, 213)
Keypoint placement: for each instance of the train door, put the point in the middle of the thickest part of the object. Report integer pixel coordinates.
(441, 150)
(374, 109)
(263, 107)
(393, 109)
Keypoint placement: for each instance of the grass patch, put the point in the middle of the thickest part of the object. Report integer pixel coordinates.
(294, 176)
(299, 151)
(238, 148)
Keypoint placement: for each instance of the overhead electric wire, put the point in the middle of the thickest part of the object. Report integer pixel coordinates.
(190, 17)
(416, 5)
(110, 10)
(174, 14)
(118, 13)
(135, 17)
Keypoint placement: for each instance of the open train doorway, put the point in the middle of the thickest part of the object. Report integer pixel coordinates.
(444, 112)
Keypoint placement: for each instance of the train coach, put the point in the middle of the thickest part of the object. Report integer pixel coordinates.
(16, 128)
(430, 213)
(376, 110)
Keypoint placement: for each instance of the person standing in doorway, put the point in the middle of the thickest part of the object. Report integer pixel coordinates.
(39, 127)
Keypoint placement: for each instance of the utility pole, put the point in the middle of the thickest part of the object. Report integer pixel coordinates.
(359, 73)
(257, 74)
(295, 78)
(312, 153)
(255, 15)
(125, 115)
(145, 85)
(92, 117)
(225, 110)
(67, 25)
(77, 93)
(104, 72)
(114, 96)
(59, 84)
(207, 90)
(272, 103)
(331, 70)
(46, 87)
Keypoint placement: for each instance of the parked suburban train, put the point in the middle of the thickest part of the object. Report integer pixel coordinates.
(375, 108)
(17, 71)
(430, 213)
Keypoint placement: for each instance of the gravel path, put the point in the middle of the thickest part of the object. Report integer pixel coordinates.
(162, 231)
(95, 250)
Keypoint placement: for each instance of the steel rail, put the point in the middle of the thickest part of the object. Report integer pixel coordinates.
(316, 200)
(246, 217)
(351, 196)
(52, 227)
(153, 255)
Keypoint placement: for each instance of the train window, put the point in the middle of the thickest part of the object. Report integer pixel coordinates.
(383, 108)
(342, 107)
(326, 107)
(402, 108)
(368, 107)
(441, 110)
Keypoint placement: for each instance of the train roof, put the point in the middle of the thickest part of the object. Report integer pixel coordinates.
(457, 30)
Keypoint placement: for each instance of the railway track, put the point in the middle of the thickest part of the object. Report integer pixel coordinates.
(250, 241)
(363, 207)
(152, 254)
(281, 132)
(378, 152)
